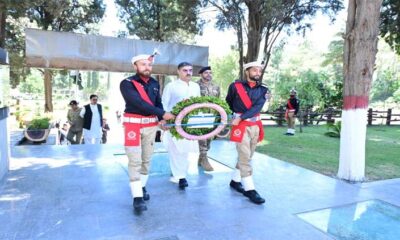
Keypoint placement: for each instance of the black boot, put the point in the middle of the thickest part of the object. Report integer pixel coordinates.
(237, 186)
(254, 196)
(183, 183)
(138, 204)
(146, 196)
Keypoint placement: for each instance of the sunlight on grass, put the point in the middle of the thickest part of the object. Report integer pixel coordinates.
(376, 139)
(264, 142)
(315, 151)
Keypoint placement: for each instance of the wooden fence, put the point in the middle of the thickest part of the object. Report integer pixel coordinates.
(387, 115)
(309, 117)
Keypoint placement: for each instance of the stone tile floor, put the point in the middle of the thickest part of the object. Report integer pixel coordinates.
(82, 192)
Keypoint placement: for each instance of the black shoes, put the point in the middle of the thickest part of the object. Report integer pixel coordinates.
(183, 183)
(146, 196)
(138, 204)
(254, 196)
(237, 186)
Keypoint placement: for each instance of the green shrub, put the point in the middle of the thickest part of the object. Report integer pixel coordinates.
(334, 129)
(39, 123)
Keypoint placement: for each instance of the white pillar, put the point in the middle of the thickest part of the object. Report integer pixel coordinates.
(4, 146)
(352, 145)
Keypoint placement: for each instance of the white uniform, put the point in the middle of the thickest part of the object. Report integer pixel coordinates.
(181, 151)
(92, 136)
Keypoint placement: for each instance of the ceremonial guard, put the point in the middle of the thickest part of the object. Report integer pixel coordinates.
(143, 112)
(246, 99)
(207, 88)
(292, 108)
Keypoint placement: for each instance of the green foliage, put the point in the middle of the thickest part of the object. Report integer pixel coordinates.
(333, 129)
(318, 80)
(307, 84)
(32, 85)
(386, 84)
(58, 15)
(225, 70)
(204, 99)
(39, 123)
(387, 77)
(390, 23)
(66, 15)
(261, 21)
(161, 20)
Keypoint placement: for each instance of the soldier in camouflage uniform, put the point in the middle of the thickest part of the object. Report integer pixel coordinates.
(207, 88)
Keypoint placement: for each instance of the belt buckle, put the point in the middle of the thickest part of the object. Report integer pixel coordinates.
(145, 120)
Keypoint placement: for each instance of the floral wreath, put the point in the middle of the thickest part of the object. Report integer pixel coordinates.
(192, 107)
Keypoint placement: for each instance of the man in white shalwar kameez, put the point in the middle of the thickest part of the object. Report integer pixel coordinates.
(92, 115)
(180, 151)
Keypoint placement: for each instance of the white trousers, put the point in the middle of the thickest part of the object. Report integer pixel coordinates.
(92, 140)
(182, 153)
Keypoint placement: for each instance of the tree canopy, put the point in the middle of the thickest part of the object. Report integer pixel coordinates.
(261, 21)
(390, 23)
(161, 20)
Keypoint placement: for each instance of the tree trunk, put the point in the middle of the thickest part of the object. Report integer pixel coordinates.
(108, 81)
(241, 60)
(360, 50)
(89, 80)
(161, 81)
(254, 33)
(3, 16)
(48, 101)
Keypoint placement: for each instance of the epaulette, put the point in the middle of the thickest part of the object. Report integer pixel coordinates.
(130, 78)
(264, 85)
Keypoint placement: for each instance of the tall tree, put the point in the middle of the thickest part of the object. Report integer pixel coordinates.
(260, 22)
(161, 20)
(360, 48)
(12, 23)
(64, 15)
(390, 23)
(3, 17)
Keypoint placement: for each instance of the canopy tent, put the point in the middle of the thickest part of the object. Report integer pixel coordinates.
(64, 50)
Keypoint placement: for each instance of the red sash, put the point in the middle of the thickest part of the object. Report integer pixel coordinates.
(132, 130)
(238, 131)
(243, 95)
(142, 92)
(287, 109)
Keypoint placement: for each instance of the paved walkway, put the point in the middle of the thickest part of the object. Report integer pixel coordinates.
(81, 192)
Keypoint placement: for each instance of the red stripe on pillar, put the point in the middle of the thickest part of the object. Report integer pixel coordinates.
(355, 102)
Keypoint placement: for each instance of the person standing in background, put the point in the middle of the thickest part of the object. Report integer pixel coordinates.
(292, 108)
(75, 121)
(92, 115)
(207, 88)
(104, 129)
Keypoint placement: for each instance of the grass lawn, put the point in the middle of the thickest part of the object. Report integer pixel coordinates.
(315, 151)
